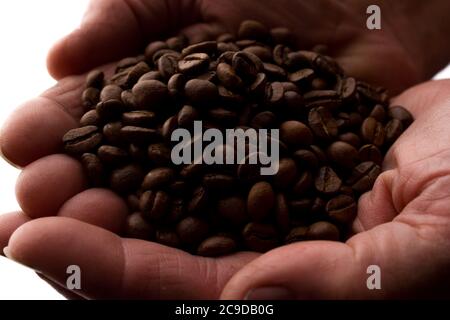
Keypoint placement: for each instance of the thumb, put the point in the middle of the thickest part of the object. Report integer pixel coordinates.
(327, 270)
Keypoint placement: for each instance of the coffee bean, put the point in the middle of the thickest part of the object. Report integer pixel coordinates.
(348, 88)
(150, 94)
(280, 54)
(93, 168)
(154, 205)
(260, 237)
(343, 154)
(233, 209)
(140, 118)
(282, 212)
(286, 175)
(294, 102)
(303, 183)
(218, 182)
(168, 127)
(176, 84)
(111, 132)
(378, 112)
(139, 134)
(302, 77)
(90, 98)
(136, 227)
(159, 154)
(363, 176)
(295, 134)
(369, 152)
(228, 77)
(200, 92)
(151, 75)
(81, 140)
(90, 118)
(226, 37)
(194, 63)
(112, 155)
(177, 42)
(208, 47)
(322, 123)
(167, 65)
(262, 52)
(110, 109)
(216, 246)
(94, 79)
(341, 209)
(306, 158)
(260, 201)
(198, 201)
(274, 94)
(350, 138)
(274, 72)
(296, 234)
(126, 179)
(192, 230)
(265, 119)
(246, 64)
(327, 181)
(372, 131)
(400, 113)
(152, 48)
(158, 178)
(322, 231)
(393, 129)
(110, 92)
(251, 29)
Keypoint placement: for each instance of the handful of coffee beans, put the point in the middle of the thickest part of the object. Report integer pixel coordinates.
(333, 133)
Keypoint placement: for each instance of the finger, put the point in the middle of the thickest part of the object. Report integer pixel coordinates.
(44, 185)
(99, 207)
(112, 267)
(115, 29)
(332, 270)
(9, 222)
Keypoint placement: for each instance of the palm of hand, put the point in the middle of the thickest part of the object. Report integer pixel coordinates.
(114, 267)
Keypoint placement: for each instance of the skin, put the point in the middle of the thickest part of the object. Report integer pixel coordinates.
(403, 224)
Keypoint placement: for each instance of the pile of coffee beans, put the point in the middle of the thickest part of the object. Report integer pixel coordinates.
(334, 131)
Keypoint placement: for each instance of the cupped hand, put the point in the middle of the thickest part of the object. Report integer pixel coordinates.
(53, 184)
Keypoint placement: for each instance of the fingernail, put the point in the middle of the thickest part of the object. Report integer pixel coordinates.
(269, 293)
(6, 252)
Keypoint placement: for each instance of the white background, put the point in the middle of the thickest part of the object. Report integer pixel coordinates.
(28, 28)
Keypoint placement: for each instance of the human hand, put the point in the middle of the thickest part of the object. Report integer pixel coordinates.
(55, 112)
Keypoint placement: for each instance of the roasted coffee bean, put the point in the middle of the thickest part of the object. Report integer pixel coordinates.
(140, 118)
(90, 118)
(333, 133)
(233, 209)
(126, 179)
(90, 98)
(400, 113)
(167, 65)
(136, 227)
(246, 64)
(198, 201)
(168, 238)
(260, 237)
(228, 76)
(372, 131)
(296, 234)
(286, 175)
(341, 209)
(251, 29)
(154, 205)
(218, 182)
(200, 92)
(369, 152)
(208, 47)
(322, 123)
(112, 155)
(192, 230)
(81, 140)
(295, 134)
(194, 63)
(363, 176)
(393, 130)
(350, 138)
(93, 168)
(303, 183)
(260, 201)
(322, 230)
(150, 94)
(158, 178)
(94, 79)
(327, 181)
(302, 77)
(139, 134)
(343, 154)
(217, 246)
